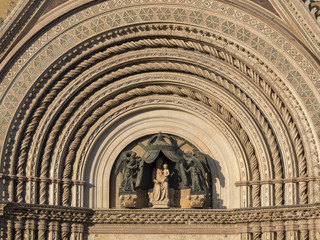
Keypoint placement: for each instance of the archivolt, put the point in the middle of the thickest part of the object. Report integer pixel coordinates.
(257, 177)
(34, 113)
(159, 67)
(183, 92)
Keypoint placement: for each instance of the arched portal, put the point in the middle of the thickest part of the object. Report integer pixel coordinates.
(198, 115)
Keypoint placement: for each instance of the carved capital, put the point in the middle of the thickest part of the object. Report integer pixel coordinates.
(128, 201)
(196, 201)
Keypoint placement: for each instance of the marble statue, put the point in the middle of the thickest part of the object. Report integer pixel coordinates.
(159, 197)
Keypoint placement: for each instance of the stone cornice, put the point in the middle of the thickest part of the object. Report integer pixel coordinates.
(152, 216)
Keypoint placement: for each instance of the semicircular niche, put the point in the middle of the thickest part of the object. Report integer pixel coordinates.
(163, 171)
(204, 164)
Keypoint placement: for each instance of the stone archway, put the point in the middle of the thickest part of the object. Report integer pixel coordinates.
(230, 81)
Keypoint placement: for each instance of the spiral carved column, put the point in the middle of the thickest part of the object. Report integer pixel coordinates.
(279, 229)
(42, 228)
(43, 192)
(256, 232)
(303, 230)
(65, 231)
(278, 194)
(18, 226)
(256, 236)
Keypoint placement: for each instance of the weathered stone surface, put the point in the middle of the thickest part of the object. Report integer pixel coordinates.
(92, 79)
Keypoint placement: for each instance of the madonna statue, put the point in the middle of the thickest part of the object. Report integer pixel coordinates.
(159, 197)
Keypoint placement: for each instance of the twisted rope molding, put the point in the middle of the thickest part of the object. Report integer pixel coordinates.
(115, 101)
(47, 153)
(224, 83)
(18, 229)
(249, 150)
(42, 230)
(230, 120)
(256, 236)
(195, 46)
(152, 66)
(172, 43)
(287, 118)
(304, 235)
(60, 123)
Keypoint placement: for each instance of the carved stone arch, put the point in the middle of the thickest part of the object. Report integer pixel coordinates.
(162, 105)
(283, 72)
(86, 144)
(146, 90)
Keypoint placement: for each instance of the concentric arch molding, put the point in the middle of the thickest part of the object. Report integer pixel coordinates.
(278, 62)
(57, 167)
(157, 116)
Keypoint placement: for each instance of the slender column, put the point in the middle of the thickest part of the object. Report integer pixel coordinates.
(303, 229)
(77, 231)
(267, 231)
(291, 193)
(65, 229)
(53, 231)
(256, 232)
(11, 190)
(74, 232)
(18, 225)
(244, 230)
(312, 229)
(291, 231)
(317, 229)
(9, 229)
(279, 229)
(30, 229)
(267, 195)
(246, 236)
(2, 229)
(42, 228)
(81, 232)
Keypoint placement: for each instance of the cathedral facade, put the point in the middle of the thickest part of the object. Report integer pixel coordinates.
(170, 119)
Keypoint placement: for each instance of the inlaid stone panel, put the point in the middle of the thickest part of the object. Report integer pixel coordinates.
(162, 237)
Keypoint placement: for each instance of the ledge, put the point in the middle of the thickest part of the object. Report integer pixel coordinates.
(151, 217)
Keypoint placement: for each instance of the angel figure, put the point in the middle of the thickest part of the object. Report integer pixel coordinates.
(128, 166)
(196, 170)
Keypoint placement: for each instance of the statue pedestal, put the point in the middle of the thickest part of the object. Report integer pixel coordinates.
(128, 200)
(196, 201)
(160, 204)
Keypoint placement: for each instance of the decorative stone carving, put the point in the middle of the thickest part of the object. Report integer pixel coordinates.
(196, 201)
(128, 200)
(162, 164)
(128, 165)
(159, 197)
